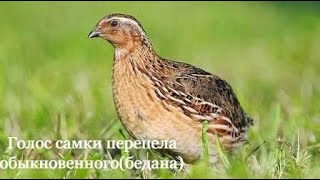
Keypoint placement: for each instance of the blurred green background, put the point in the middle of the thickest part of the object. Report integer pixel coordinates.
(55, 83)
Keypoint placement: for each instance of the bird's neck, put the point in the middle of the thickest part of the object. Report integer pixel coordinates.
(141, 53)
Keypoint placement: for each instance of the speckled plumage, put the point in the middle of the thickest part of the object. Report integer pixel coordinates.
(162, 99)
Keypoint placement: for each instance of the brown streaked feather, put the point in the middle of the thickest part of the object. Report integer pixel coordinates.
(199, 89)
(202, 96)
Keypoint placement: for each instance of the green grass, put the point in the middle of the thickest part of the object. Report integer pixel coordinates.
(56, 84)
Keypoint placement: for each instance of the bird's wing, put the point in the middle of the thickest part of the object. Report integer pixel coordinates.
(204, 96)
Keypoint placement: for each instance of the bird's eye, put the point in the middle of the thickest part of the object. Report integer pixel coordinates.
(114, 23)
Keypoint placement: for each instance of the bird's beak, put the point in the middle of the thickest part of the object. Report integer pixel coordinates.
(94, 34)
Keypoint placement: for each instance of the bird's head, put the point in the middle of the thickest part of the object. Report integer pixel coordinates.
(121, 30)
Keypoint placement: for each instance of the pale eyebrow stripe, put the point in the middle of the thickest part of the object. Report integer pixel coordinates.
(130, 21)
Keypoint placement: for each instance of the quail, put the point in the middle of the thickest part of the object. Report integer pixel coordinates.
(162, 99)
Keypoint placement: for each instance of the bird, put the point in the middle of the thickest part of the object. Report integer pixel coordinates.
(158, 98)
